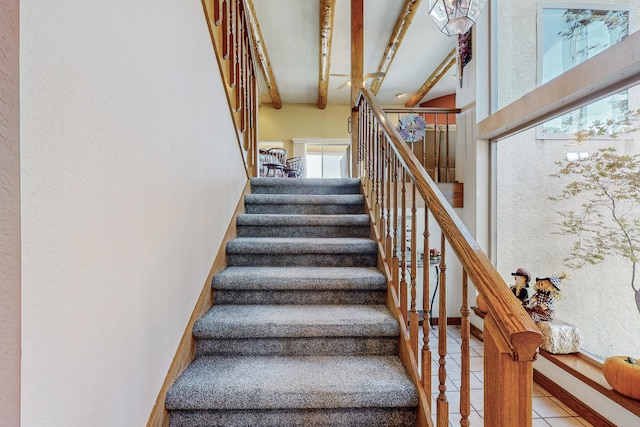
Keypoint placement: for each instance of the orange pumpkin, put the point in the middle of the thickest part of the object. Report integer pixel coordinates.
(623, 374)
(482, 305)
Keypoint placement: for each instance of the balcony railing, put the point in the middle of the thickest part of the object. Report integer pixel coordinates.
(435, 146)
(397, 186)
(230, 34)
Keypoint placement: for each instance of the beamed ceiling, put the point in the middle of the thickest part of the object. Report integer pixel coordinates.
(304, 46)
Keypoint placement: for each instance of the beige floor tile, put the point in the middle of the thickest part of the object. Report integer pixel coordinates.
(563, 406)
(474, 419)
(547, 408)
(564, 422)
(477, 399)
(539, 391)
(476, 364)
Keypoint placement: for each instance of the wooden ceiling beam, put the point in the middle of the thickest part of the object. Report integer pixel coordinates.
(327, 12)
(262, 56)
(357, 49)
(433, 79)
(402, 24)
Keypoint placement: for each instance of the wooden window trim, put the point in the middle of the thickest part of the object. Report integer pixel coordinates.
(589, 371)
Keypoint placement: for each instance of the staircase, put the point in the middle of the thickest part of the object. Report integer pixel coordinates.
(299, 334)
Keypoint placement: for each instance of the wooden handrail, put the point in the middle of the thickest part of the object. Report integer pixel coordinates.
(391, 173)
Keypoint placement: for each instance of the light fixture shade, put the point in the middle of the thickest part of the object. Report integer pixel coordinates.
(454, 17)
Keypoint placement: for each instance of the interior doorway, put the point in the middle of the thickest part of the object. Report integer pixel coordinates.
(325, 158)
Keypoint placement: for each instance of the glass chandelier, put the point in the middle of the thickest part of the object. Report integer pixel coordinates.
(455, 17)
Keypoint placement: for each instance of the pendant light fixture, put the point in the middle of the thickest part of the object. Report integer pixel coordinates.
(455, 17)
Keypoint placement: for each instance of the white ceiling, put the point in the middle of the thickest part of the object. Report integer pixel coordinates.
(291, 32)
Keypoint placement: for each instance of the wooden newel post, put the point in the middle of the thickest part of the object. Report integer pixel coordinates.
(508, 390)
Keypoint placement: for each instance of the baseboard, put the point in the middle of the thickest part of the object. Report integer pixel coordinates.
(434, 321)
(476, 332)
(186, 349)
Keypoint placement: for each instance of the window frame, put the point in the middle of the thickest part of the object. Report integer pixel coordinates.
(540, 133)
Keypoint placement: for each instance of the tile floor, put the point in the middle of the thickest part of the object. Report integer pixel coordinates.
(547, 410)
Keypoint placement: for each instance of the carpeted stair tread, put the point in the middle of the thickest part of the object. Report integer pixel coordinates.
(304, 199)
(305, 186)
(281, 225)
(304, 278)
(293, 245)
(291, 321)
(279, 382)
(304, 204)
(354, 220)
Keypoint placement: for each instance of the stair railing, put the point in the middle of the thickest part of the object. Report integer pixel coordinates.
(395, 183)
(435, 146)
(231, 36)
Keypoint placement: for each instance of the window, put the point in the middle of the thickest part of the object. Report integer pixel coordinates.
(569, 37)
(581, 220)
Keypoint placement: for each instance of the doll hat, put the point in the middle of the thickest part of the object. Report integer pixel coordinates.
(554, 279)
(524, 273)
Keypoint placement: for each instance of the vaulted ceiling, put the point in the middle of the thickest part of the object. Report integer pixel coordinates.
(307, 51)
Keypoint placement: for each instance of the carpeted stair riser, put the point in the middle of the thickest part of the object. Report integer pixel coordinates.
(348, 417)
(303, 285)
(343, 346)
(287, 204)
(269, 225)
(301, 260)
(299, 334)
(285, 252)
(302, 296)
(305, 186)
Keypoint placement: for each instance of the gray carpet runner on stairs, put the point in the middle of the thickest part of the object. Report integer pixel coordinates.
(299, 334)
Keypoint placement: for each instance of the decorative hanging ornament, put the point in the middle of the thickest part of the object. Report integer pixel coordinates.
(455, 17)
(412, 128)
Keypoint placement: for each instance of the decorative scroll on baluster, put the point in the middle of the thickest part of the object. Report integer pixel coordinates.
(465, 334)
(442, 406)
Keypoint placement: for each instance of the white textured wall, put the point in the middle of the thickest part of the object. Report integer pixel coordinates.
(130, 174)
(9, 216)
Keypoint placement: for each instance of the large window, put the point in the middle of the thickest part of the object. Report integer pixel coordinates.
(569, 37)
(573, 207)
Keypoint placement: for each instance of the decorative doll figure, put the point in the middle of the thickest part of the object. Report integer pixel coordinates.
(541, 305)
(519, 289)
